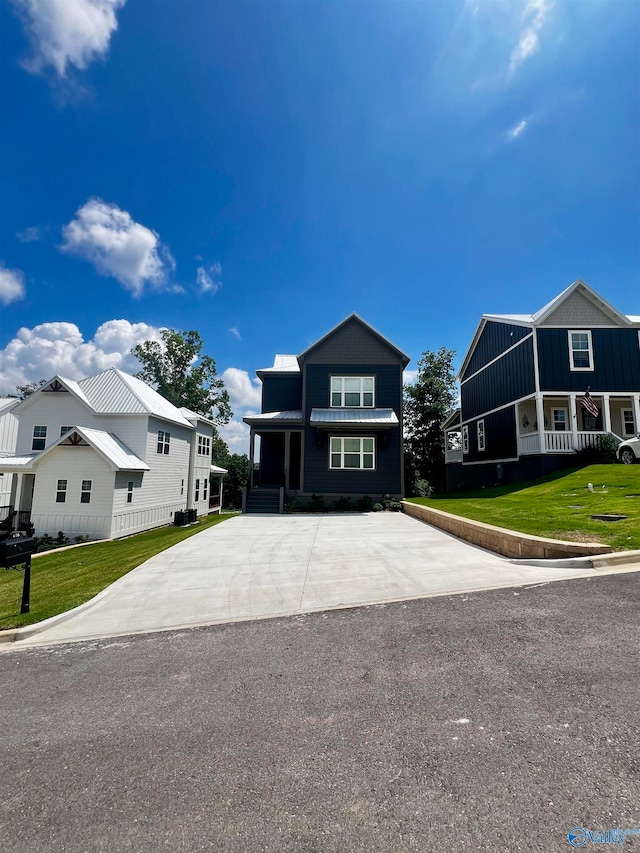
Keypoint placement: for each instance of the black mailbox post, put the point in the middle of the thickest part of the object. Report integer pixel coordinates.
(15, 550)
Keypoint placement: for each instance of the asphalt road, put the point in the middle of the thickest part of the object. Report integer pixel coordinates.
(492, 721)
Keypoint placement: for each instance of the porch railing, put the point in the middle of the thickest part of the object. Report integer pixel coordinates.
(528, 444)
(12, 519)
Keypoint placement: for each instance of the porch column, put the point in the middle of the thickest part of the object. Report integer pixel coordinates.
(635, 402)
(606, 413)
(287, 452)
(540, 420)
(19, 485)
(252, 444)
(573, 417)
(220, 487)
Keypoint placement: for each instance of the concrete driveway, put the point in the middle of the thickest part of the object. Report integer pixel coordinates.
(255, 566)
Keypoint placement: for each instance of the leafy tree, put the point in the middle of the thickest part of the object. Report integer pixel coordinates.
(427, 404)
(176, 368)
(238, 467)
(27, 390)
(219, 451)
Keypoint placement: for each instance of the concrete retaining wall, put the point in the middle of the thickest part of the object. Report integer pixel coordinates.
(506, 542)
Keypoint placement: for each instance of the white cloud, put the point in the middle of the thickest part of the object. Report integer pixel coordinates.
(243, 391)
(209, 280)
(117, 246)
(66, 33)
(29, 235)
(534, 15)
(50, 348)
(409, 377)
(11, 285)
(236, 334)
(236, 436)
(517, 130)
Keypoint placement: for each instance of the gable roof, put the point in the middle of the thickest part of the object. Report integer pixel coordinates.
(282, 364)
(8, 403)
(539, 317)
(114, 392)
(106, 444)
(404, 357)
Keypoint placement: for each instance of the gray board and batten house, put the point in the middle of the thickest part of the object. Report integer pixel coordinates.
(537, 388)
(331, 420)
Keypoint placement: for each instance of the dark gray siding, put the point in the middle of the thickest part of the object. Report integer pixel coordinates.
(500, 437)
(281, 393)
(353, 344)
(464, 477)
(387, 477)
(495, 338)
(507, 379)
(616, 359)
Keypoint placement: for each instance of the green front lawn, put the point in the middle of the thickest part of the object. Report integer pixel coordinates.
(68, 578)
(559, 506)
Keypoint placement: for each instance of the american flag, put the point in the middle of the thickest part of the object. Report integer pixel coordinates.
(587, 403)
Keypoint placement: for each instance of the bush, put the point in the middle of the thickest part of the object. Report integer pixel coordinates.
(365, 504)
(292, 502)
(316, 504)
(377, 507)
(421, 488)
(602, 453)
(342, 505)
(80, 540)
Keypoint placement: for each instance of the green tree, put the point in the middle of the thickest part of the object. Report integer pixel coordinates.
(238, 468)
(27, 390)
(427, 404)
(177, 369)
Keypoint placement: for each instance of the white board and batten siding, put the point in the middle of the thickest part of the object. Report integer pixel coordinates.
(74, 464)
(159, 493)
(8, 440)
(202, 470)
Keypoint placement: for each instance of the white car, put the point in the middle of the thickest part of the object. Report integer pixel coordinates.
(629, 451)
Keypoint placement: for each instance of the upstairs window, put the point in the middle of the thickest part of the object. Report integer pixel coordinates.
(85, 492)
(61, 493)
(65, 429)
(163, 442)
(354, 453)
(204, 446)
(580, 351)
(465, 438)
(352, 392)
(39, 438)
(130, 492)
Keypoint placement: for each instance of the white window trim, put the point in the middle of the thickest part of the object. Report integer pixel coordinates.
(197, 490)
(481, 435)
(42, 438)
(586, 332)
(163, 444)
(361, 452)
(465, 439)
(555, 409)
(62, 491)
(623, 412)
(84, 491)
(342, 393)
(130, 486)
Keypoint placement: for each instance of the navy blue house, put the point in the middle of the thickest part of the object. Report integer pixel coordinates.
(522, 387)
(331, 420)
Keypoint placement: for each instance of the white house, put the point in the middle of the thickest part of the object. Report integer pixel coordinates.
(8, 438)
(108, 456)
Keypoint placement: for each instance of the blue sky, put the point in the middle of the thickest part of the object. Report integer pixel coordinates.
(257, 171)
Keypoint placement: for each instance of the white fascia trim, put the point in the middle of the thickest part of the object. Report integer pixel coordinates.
(497, 358)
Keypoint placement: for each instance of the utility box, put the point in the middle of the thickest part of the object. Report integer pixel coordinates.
(192, 516)
(16, 549)
(180, 518)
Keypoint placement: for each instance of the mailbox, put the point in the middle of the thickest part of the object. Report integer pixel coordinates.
(16, 549)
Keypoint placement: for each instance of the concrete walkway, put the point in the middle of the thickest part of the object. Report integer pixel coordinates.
(256, 566)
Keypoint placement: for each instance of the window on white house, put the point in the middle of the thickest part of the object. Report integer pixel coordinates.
(352, 453)
(465, 438)
(204, 446)
(480, 427)
(61, 493)
(130, 492)
(85, 492)
(559, 420)
(580, 351)
(163, 442)
(182, 488)
(65, 429)
(205, 484)
(352, 391)
(39, 438)
(197, 490)
(628, 422)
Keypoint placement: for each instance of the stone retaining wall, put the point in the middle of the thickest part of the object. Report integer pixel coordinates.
(509, 543)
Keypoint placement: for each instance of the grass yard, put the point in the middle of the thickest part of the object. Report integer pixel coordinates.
(68, 578)
(559, 506)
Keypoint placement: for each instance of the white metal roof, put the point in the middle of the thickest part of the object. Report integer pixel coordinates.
(216, 469)
(192, 416)
(15, 463)
(8, 403)
(373, 417)
(118, 393)
(108, 445)
(282, 364)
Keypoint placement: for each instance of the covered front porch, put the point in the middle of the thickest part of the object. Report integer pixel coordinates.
(281, 448)
(559, 423)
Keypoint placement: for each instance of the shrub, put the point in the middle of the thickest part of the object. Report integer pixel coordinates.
(603, 452)
(292, 502)
(365, 504)
(316, 504)
(80, 540)
(422, 488)
(342, 505)
(377, 507)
